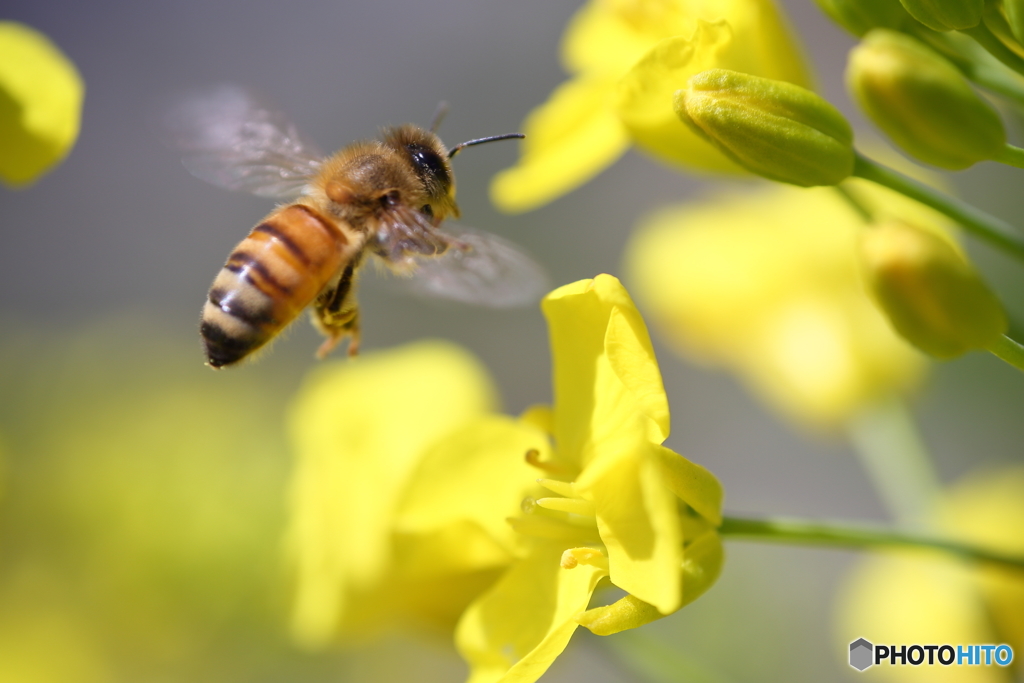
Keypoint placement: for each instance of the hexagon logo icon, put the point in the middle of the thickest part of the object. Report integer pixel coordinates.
(861, 654)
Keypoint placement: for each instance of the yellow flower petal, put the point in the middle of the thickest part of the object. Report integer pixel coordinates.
(41, 96)
(540, 417)
(360, 429)
(430, 579)
(704, 557)
(646, 92)
(630, 355)
(693, 484)
(569, 139)
(623, 614)
(703, 564)
(607, 35)
(638, 519)
(764, 44)
(517, 629)
(748, 36)
(477, 474)
(601, 383)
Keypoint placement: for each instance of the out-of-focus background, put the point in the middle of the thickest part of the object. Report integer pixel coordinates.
(142, 496)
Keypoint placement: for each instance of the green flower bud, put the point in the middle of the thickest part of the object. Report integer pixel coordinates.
(775, 129)
(922, 101)
(860, 16)
(929, 290)
(946, 15)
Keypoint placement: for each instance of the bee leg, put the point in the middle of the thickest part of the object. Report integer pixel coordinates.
(336, 315)
(335, 337)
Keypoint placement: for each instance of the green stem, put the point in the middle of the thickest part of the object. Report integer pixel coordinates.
(855, 203)
(1009, 350)
(1011, 156)
(896, 461)
(839, 535)
(995, 47)
(974, 220)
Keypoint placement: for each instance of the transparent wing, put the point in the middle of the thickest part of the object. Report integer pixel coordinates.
(476, 268)
(228, 138)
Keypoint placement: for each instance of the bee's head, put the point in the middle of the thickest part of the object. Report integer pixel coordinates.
(428, 159)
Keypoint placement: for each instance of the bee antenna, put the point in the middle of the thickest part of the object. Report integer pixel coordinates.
(439, 114)
(479, 141)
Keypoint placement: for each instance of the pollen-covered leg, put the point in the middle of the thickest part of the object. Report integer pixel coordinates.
(336, 315)
(336, 333)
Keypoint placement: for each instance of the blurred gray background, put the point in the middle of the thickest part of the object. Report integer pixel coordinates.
(121, 232)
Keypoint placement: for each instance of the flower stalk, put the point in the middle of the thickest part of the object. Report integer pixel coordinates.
(983, 225)
(843, 535)
(1011, 156)
(1009, 351)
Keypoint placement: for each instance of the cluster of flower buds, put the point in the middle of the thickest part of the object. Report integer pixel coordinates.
(912, 84)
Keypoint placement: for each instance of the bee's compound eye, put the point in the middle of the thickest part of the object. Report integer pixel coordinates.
(431, 169)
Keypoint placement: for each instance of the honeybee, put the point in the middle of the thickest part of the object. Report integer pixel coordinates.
(382, 199)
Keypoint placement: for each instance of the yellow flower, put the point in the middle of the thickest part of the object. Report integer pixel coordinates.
(613, 502)
(383, 532)
(627, 58)
(412, 500)
(40, 103)
(928, 598)
(766, 284)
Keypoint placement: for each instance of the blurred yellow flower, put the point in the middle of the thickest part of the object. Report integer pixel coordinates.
(41, 96)
(627, 58)
(766, 284)
(988, 509)
(928, 598)
(613, 502)
(34, 625)
(383, 532)
(141, 512)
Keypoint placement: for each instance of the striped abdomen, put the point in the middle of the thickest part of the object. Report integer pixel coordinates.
(269, 278)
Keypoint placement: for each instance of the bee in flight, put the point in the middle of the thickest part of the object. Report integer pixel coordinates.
(383, 199)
